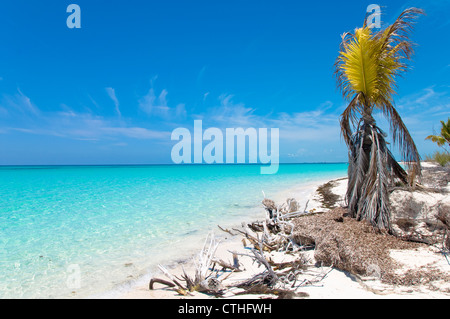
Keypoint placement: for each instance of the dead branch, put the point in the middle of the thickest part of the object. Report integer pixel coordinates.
(189, 282)
(160, 281)
(211, 286)
(254, 240)
(226, 230)
(171, 277)
(204, 259)
(226, 265)
(202, 280)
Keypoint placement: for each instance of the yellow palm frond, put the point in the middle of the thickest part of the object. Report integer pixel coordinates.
(369, 62)
(358, 63)
(366, 66)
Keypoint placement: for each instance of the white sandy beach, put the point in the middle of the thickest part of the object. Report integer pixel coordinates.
(326, 282)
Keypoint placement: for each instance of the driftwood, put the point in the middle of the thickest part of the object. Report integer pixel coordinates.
(274, 234)
(253, 240)
(212, 286)
(226, 230)
(160, 281)
(202, 280)
(226, 265)
(169, 275)
(282, 279)
(270, 207)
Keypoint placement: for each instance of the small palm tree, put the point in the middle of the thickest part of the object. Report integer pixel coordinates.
(366, 69)
(444, 138)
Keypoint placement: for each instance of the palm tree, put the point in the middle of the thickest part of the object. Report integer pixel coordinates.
(366, 71)
(444, 138)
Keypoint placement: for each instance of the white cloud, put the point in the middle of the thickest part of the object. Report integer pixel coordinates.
(68, 123)
(180, 111)
(230, 114)
(153, 105)
(421, 112)
(20, 103)
(157, 106)
(112, 94)
(428, 101)
(317, 126)
(135, 132)
(85, 125)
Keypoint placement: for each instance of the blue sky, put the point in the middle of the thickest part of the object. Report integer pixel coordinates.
(113, 91)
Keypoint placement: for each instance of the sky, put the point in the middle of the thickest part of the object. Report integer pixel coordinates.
(113, 91)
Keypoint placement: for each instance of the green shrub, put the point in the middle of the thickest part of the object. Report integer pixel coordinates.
(440, 158)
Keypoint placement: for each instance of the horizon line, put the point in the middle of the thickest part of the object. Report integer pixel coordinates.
(161, 164)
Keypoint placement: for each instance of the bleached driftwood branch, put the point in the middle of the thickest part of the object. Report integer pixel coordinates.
(202, 281)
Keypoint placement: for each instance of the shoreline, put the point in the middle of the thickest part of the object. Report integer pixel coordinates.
(333, 283)
(118, 225)
(138, 288)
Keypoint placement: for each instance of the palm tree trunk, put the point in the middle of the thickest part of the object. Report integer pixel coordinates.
(367, 192)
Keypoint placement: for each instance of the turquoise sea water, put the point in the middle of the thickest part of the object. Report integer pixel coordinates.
(72, 232)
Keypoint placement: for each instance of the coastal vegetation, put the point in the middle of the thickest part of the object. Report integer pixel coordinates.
(441, 158)
(444, 137)
(366, 69)
(443, 141)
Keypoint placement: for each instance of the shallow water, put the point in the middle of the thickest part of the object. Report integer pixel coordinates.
(79, 231)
